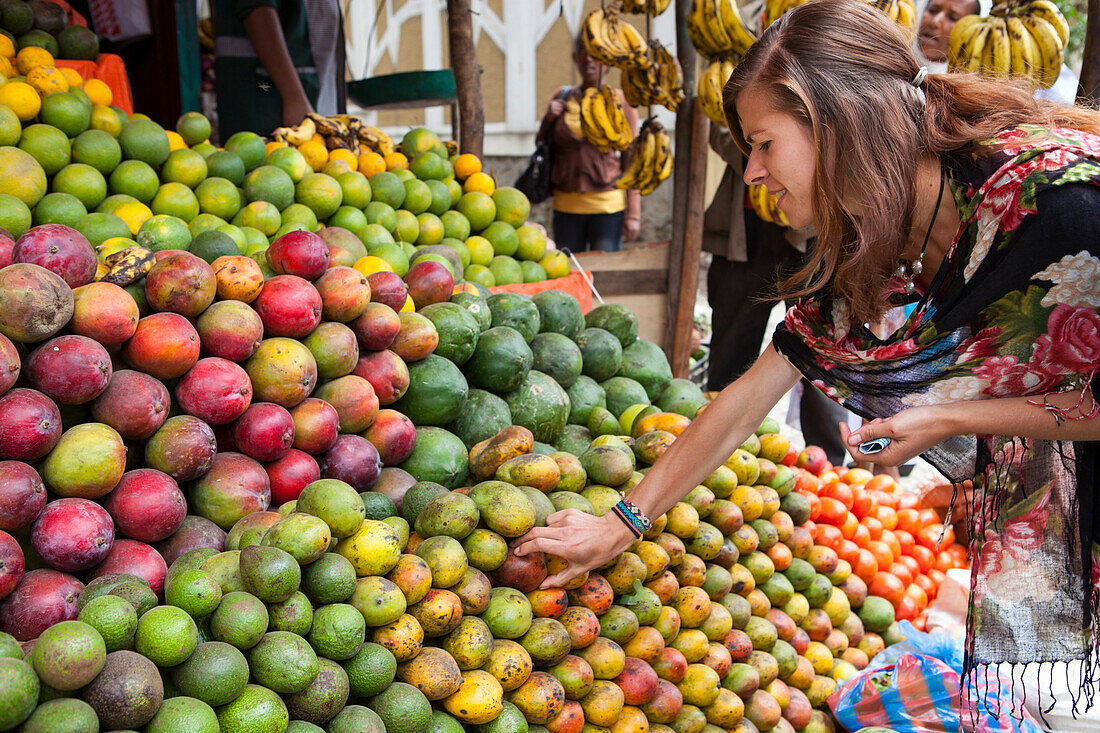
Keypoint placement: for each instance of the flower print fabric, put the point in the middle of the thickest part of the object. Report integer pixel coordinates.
(1014, 310)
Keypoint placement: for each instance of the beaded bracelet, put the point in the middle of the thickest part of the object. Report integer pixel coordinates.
(632, 523)
(638, 514)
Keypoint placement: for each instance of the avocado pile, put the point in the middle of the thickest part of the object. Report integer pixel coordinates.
(45, 24)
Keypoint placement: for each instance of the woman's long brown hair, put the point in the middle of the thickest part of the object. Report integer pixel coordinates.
(843, 69)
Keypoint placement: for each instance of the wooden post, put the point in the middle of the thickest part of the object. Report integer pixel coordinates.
(689, 172)
(471, 111)
(1088, 91)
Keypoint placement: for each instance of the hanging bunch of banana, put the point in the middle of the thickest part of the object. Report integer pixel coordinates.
(716, 29)
(650, 159)
(653, 7)
(775, 9)
(661, 83)
(903, 12)
(603, 120)
(303, 132)
(612, 41)
(709, 90)
(1025, 41)
(764, 204)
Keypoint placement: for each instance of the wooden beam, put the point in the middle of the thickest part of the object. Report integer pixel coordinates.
(1088, 90)
(683, 314)
(681, 177)
(630, 282)
(471, 111)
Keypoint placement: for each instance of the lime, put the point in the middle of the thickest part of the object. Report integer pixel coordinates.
(407, 228)
(83, 182)
(458, 246)
(215, 673)
(512, 206)
(227, 165)
(338, 631)
(290, 226)
(105, 120)
(418, 197)
(427, 165)
(175, 199)
(59, 208)
(300, 214)
(135, 178)
(183, 714)
(373, 235)
(478, 208)
(254, 239)
(505, 270)
(249, 146)
(236, 234)
(503, 237)
(532, 271)
(163, 231)
(417, 140)
(348, 217)
(195, 591)
(381, 213)
(371, 670)
(441, 197)
(455, 225)
(403, 174)
(10, 127)
(256, 709)
(98, 227)
(532, 243)
(356, 189)
(431, 229)
(97, 149)
(65, 111)
(114, 618)
(329, 579)
(204, 149)
(291, 161)
(241, 620)
(218, 196)
(321, 193)
(110, 204)
(387, 188)
(48, 145)
(146, 141)
(481, 250)
(193, 128)
(184, 166)
(394, 255)
(268, 183)
(166, 635)
(481, 275)
(260, 215)
(205, 222)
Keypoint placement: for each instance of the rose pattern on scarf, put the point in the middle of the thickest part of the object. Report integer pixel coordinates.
(1071, 344)
(1009, 378)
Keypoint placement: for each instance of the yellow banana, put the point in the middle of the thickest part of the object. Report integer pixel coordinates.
(1049, 12)
(701, 33)
(1020, 44)
(128, 266)
(981, 41)
(1050, 48)
(298, 134)
(961, 39)
(715, 28)
(740, 38)
(907, 16)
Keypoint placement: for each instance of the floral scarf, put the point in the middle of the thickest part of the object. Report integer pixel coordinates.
(1012, 311)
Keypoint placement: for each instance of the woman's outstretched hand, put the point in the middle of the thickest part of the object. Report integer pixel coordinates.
(911, 432)
(584, 541)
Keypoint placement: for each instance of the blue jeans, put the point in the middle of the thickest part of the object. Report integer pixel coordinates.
(589, 232)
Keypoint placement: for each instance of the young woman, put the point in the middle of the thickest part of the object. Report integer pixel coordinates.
(980, 204)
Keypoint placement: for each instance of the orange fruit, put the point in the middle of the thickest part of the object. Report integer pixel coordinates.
(47, 80)
(98, 92)
(32, 56)
(21, 98)
(346, 156)
(175, 140)
(315, 153)
(481, 182)
(466, 165)
(275, 145)
(396, 160)
(7, 48)
(72, 76)
(370, 163)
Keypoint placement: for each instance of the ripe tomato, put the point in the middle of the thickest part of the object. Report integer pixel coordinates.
(815, 504)
(925, 558)
(905, 610)
(806, 481)
(929, 516)
(918, 595)
(884, 556)
(903, 573)
(927, 585)
(857, 476)
(937, 577)
(911, 563)
(863, 504)
(874, 527)
(840, 491)
(849, 551)
(887, 516)
(905, 541)
(790, 458)
(920, 622)
(891, 539)
(780, 556)
(866, 566)
(945, 562)
(881, 482)
(888, 586)
(827, 476)
(936, 537)
(884, 499)
(862, 535)
(959, 553)
(907, 500)
(909, 520)
(849, 525)
(828, 536)
(833, 511)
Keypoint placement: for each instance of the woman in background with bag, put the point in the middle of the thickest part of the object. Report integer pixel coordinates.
(589, 212)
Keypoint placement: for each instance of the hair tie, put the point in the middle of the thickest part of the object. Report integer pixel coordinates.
(918, 78)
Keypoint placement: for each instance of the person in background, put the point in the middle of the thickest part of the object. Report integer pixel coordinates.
(748, 256)
(936, 22)
(276, 61)
(589, 212)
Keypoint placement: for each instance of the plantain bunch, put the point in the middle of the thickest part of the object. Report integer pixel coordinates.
(716, 29)
(653, 7)
(764, 204)
(1024, 41)
(603, 120)
(661, 83)
(338, 131)
(612, 41)
(709, 90)
(650, 159)
(776, 9)
(902, 11)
